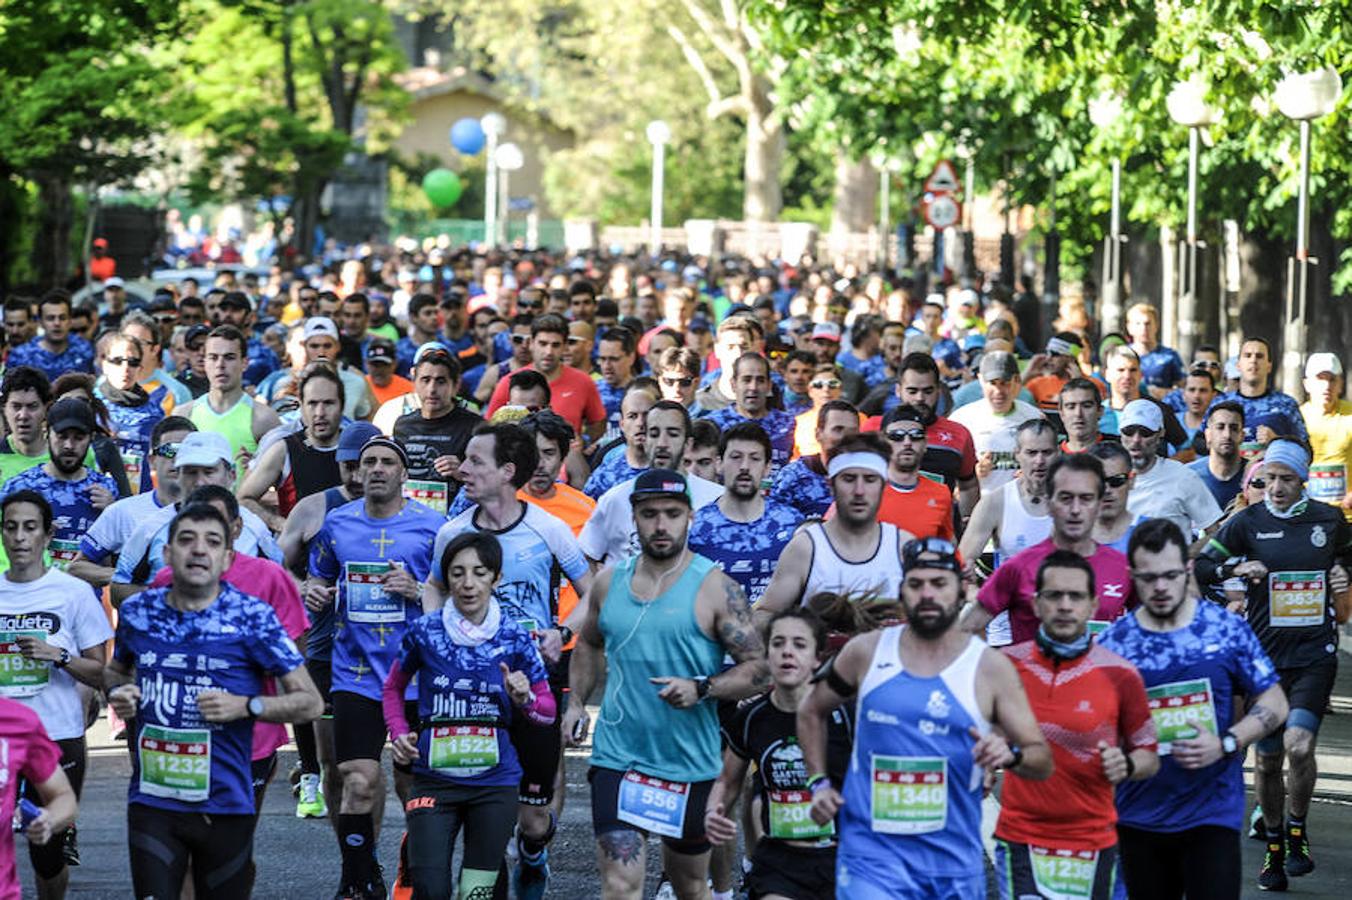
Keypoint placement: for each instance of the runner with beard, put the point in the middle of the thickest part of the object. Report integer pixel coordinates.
(853, 553)
(435, 434)
(802, 483)
(499, 461)
(936, 711)
(302, 463)
(743, 532)
(658, 625)
(1222, 469)
(791, 856)
(314, 740)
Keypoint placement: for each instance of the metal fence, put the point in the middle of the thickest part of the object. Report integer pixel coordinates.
(548, 232)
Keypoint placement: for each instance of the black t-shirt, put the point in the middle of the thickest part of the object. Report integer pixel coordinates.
(764, 734)
(426, 439)
(1290, 610)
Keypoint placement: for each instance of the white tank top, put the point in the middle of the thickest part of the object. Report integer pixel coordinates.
(880, 574)
(1018, 530)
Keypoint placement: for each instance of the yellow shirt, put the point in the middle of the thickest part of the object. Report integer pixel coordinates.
(1331, 440)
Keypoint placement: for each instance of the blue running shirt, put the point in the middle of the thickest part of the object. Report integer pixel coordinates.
(181, 762)
(132, 428)
(800, 485)
(778, 424)
(73, 511)
(746, 551)
(1201, 665)
(354, 550)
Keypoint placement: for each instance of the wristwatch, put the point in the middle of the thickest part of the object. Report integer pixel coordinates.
(1017, 753)
(701, 686)
(64, 660)
(255, 707)
(1229, 744)
(565, 635)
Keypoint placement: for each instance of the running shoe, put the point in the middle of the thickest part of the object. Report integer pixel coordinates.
(70, 847)
(531, 876)
(1273, 875)
(402, 888)
(1298, 859)
(1257, 828)
(665, 889)
(310, 803)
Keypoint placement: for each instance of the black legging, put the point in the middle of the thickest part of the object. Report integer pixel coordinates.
(435, 813)
(162, 843)
(49, 859)
(1201, 863)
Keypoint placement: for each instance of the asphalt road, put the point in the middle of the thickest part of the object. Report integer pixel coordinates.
(298, 859)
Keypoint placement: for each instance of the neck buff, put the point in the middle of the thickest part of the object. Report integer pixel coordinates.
(1059, 651)
(463, 632)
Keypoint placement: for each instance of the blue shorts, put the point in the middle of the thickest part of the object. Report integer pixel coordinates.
(905, 885)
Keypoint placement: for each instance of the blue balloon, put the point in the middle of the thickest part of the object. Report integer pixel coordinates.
(467, 136)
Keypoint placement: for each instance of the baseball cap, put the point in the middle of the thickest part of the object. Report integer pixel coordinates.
(195, 333)
(72, 412)
(203, 448)
(113, 281)
(660, 483)
(1319, 363)
(968, 297)
(826, 331)
(997, 365)
(316, 326)
(1064, 343)
(974, 341)
(381, 351)
(1142, 414)
(236, 300)
(354, 437)
(930, 553)
(162, 303)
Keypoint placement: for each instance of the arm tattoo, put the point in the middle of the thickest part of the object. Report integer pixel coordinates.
(622, 846)
(736, 631)
(1265, 716)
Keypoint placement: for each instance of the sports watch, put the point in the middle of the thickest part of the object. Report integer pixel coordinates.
(255, 707)
(1229, 744)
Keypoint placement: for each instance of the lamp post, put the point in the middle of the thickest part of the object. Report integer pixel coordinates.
(659, 135)
(494, 126)
(1187, 106)
(887, 168)
(1104, 111)
(508, 158)
(1303, 97)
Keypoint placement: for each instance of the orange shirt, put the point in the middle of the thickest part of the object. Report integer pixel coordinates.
(574, 508)
(398, 387)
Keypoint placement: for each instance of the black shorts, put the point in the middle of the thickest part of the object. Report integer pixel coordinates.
(1307, 689)
(321, 673)
(163, 843)
(605, 785)
(49, 859)
(359, 726)
(538, 749)
(800, 873)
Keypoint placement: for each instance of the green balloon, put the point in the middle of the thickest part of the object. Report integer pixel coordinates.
(442, 187)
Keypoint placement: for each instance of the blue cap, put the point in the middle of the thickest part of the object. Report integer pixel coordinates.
(354, 437)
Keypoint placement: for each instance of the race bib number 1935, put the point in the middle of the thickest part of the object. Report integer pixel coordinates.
(20, 676)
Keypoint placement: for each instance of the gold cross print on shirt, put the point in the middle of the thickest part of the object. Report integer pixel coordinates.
(382, 629)
(359, 670)
(382, 542)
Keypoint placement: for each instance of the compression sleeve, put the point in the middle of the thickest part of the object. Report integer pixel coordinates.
(541, 710)
(392, 700)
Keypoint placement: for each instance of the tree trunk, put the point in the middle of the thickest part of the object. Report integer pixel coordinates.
(51, 245)
(307, 215)
(855, 197)
(10, 223)
(764, 197)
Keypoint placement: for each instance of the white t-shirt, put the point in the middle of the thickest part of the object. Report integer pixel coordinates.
(1170, 490)
(995, 434)
(116, 524)
(61, 610)
(142, 554)
(609, 535)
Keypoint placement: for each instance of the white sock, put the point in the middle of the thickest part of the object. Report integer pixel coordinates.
(722, 895)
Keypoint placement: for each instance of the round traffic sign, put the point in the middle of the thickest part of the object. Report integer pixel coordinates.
(942, 211)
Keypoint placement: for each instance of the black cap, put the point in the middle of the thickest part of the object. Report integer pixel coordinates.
(380, 350)
(905, 413)
(236, 300)
(195, 332)
(660, 483)
(71, 412)
(163, 301)
(931, 553)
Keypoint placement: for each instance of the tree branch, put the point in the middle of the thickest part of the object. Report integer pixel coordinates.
(728, 106)
(696, 62)
(711, 31)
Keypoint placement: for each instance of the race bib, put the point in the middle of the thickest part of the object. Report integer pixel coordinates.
(791, 819)
(653, 804)
(63, 553)
(910, 794)
(1328, 482)
(133, 461)
(175, 763)
(1296, 599)
(1063, 874)
(21, 677)
(1181, 710)
(463, 750)
(434, 494)
(1097, 627)
(366, 599)
(1250, 449)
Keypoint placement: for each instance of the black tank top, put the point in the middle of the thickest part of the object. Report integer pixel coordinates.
(311, 472)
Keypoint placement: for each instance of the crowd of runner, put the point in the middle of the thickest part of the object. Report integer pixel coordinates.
(809, 564)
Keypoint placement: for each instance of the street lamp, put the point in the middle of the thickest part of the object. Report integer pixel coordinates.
(659, 135)
(1303, 97)
(508, 158)
(1188, 107)
(1104, 111)
(887, 168)
(494, 126)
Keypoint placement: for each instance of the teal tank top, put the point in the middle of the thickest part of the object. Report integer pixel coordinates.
(636, 729)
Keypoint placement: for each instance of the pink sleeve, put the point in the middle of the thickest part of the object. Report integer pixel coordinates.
(541, 710)
(286, 602)
(392, 700)
(995, 594)
(163, 578)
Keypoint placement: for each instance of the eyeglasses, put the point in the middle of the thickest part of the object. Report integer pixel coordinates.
(906, 434)
(683, 382)
(167, 319)
(1116, 481)
(1156, 577)
(167, 451)
(527, 304)
(1058, 596)
(828, 383)
(133, 361)
(520, 339)
(1260, 483)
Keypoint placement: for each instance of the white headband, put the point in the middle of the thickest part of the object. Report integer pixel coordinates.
(857, 460)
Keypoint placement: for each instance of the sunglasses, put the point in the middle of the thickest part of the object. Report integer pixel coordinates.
(677, 382)
(574, 340)
(134, 361)
(1116, 481)
(1260, 483)
(905, 434)
(167, 451)
(168, 319)
(520, 339)
(831, 383)
(527, 304)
